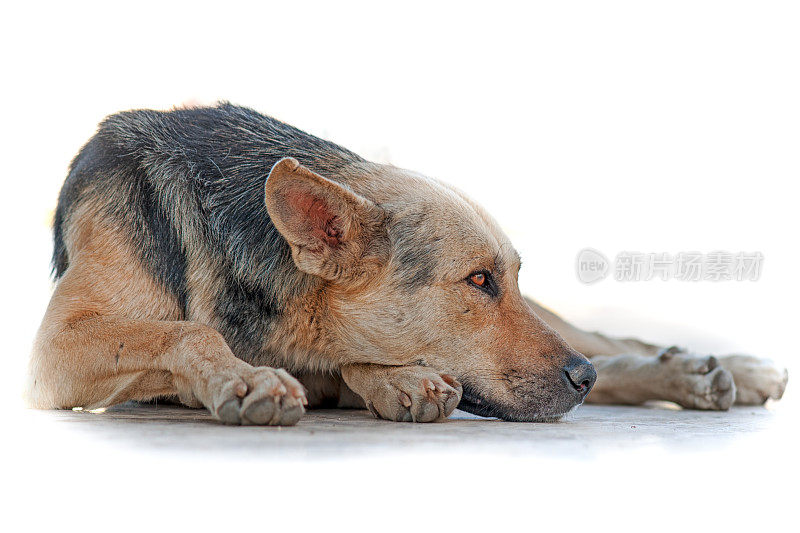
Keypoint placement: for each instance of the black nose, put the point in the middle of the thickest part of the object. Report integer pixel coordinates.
(581, 375)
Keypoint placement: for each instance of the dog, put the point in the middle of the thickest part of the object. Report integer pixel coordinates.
(223, 259)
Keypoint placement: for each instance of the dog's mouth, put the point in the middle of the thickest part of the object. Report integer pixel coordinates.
(476, 403)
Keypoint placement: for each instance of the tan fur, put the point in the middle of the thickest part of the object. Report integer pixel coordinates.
(365, 321)
(358, 336)
(410, 393)
(630, 371)
(110, 335)
(105, 285)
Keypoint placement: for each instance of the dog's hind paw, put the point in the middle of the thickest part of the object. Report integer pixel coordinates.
(757, 380)
(414, 394)
(250, 395)
(697, 382)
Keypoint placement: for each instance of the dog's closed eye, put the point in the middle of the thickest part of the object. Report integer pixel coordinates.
(484, 281)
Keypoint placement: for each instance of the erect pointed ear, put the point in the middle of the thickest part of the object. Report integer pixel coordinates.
(327, 226)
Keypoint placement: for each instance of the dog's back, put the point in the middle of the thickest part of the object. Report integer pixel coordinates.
(190, 179)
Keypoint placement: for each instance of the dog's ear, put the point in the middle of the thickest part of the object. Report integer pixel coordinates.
(327, 226)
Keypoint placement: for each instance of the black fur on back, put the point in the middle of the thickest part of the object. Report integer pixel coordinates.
(171, 176)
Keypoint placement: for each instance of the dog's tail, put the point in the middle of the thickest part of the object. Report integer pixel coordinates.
(60, 259)
(78, 180)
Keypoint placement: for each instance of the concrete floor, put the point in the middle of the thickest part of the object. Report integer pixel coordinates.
(589, 430)
(616, 468)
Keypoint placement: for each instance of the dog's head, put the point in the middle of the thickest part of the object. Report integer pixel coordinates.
(417, 273)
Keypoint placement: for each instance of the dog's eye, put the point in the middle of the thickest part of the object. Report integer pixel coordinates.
(484, 281)
(479, 279)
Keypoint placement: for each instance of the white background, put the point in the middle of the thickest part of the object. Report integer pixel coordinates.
(622, 126)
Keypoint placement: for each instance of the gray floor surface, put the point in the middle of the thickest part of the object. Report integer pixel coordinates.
(321, 432)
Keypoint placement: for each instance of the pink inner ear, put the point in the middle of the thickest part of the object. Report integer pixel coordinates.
(318, 215)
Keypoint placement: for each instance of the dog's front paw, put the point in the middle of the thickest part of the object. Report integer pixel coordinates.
(250, 395)
(697, 382)
(757, 380)
(414, 394)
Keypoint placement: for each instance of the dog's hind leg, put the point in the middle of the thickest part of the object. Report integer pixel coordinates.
(99, 361)
(111, 334)
(630, 371)
(691, 381)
